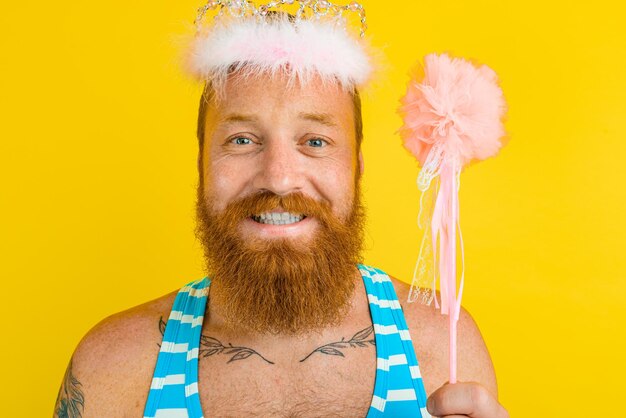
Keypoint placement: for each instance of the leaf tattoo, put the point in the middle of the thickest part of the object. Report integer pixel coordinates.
(70, 400)
(210, 346)
(360, 339)
(162, 324)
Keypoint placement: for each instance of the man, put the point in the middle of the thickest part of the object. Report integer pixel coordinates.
(285, 324)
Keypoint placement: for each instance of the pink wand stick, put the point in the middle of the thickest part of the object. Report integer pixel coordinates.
(444, 224)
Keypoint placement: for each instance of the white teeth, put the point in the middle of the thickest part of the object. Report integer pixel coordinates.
(278, 218)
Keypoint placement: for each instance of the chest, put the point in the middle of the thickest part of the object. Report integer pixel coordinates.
(322, 385)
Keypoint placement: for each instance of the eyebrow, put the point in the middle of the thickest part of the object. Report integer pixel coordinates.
(323, 118)
(237, 117)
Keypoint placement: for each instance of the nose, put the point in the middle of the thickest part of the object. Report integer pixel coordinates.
(280, 169)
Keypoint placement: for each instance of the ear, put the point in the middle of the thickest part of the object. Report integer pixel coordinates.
(361, 163)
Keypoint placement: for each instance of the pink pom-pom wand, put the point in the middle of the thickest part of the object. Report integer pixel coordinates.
(453, 114)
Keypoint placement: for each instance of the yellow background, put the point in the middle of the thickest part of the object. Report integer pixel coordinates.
(98, 160)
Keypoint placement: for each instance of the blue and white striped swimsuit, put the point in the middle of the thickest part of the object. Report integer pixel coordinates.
(398, 390)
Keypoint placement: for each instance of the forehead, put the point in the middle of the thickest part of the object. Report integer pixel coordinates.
(281, 94)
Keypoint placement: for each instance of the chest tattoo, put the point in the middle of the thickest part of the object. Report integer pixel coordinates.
(211, 346)
(363, 338)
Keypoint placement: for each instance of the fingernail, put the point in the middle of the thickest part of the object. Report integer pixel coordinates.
(430, 405)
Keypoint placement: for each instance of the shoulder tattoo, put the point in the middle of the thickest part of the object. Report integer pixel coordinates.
(70, 400)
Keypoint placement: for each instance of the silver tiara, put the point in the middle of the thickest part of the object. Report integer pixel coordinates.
(307, 9)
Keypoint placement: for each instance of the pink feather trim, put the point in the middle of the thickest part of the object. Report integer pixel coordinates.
(313, 47)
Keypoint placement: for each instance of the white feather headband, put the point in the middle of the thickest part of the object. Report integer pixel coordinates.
(272, 44)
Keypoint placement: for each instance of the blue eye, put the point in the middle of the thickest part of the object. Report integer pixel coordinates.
(316, 142)
(241, 140)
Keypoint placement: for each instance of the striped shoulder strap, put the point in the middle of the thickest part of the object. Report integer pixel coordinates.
(399, 389)
(174, 389)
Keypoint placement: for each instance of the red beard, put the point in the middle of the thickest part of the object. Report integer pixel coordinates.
(281, 286)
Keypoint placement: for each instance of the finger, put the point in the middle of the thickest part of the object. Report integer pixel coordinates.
(452, 416)
(465, 398)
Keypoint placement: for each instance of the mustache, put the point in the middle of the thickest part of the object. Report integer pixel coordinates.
(267, 201)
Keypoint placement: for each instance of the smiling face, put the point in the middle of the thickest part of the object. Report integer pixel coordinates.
(267, 136)
(279, 209)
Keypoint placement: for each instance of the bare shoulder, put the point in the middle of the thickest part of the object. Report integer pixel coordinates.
(111, 368)
(430, 335)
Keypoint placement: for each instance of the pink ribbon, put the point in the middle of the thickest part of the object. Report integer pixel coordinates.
(444, 223)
